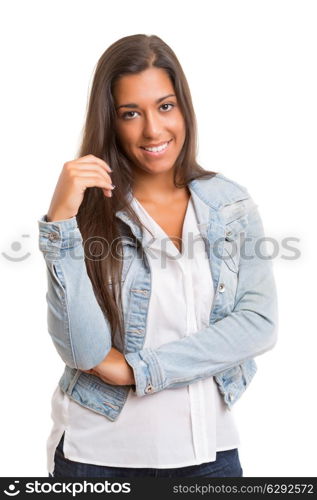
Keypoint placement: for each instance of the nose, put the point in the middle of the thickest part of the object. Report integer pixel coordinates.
(152, 126)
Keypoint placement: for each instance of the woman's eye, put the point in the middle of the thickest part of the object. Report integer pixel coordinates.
(167, 104)
(127, 114)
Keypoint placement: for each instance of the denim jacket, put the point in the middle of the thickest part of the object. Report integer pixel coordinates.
(243, 319)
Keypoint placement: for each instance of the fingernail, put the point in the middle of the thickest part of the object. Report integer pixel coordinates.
(112, 186)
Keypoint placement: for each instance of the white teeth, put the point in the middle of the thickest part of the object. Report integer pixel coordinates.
(159, 148)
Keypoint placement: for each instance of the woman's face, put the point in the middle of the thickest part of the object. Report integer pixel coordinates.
(148, 115)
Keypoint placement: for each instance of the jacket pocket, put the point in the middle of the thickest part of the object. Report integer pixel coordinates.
(233, 382)
(58, 275)
(231, 248)
(127, 259)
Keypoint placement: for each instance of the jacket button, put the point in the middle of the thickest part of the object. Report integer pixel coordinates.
(53, 236)
(149, 389)
(221, 287)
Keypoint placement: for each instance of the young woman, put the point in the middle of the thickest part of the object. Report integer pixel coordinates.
(158, 298)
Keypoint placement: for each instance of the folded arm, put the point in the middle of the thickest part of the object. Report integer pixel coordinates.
(248, 331)
(78, 328)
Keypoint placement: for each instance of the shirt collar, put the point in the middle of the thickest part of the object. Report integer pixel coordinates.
(159, 240)
(201, 209)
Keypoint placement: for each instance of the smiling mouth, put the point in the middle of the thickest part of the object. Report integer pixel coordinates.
(157, 149)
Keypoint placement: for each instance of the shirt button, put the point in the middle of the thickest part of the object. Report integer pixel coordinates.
(228, 233)
(53, 236)
(221, 287)
(230, 396)
(149, 389)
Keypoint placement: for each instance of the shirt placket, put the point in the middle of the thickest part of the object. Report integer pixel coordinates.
(195, 390)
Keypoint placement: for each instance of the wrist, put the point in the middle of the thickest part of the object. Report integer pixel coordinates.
(57, 217)
(131, 379)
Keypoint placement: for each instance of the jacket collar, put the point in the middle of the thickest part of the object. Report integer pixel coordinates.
(209, 197)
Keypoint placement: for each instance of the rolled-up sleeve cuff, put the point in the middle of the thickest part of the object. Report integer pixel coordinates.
(147, 372)
(58, 235)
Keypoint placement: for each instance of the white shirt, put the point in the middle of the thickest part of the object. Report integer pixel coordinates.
(174, 427)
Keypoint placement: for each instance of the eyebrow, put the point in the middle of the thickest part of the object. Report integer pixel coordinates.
(134, 105)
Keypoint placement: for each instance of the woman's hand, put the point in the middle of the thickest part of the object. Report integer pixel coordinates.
(76, 176)
(114, 369)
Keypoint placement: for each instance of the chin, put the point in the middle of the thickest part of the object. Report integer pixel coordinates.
(156, 169)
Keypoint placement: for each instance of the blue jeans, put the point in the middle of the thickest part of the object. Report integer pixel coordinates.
(227, 464)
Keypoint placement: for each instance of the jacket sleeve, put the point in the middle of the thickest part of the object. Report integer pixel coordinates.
(78, 328)
(248, 331)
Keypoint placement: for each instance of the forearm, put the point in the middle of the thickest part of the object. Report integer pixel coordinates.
(221, 346)
(114, 369)
(76, 323)
(250, 329)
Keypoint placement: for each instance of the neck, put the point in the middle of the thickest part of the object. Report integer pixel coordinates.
(155, 188)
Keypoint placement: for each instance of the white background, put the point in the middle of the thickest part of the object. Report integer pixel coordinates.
(251, 67)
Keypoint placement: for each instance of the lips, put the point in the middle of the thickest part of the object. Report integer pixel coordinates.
(156, 145)
(156, 154)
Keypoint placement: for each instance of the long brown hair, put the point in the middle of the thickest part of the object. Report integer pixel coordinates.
(96, 217)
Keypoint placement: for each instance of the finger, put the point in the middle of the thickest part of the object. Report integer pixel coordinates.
(94, 159)
(107, 192)
(93, 181)
(86, 169)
